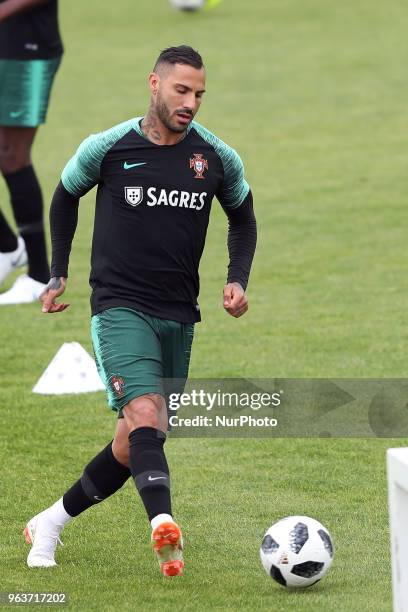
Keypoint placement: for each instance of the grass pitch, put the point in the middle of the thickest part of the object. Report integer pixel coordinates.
(314, 97)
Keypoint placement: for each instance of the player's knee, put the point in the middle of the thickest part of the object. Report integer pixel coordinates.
(121, 451)
(12, 159)
(142, 412)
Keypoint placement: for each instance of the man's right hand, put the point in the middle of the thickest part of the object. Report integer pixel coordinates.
(53, 290)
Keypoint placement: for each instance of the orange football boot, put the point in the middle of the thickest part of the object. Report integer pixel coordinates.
(167, 543)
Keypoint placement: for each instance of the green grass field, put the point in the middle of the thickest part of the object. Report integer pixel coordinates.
(314, 96)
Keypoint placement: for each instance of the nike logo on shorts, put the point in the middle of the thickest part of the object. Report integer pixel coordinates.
(156, 477)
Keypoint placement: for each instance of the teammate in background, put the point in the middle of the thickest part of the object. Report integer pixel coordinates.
(30, 53)
(157, 176)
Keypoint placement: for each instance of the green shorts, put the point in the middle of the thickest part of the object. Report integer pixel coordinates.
(25, 87)
(137, 353)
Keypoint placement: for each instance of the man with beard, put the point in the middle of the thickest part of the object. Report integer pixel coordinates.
(157, 176)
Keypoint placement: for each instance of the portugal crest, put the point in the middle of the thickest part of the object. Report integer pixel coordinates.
(118, 385)
(133, 195)
(199, 164)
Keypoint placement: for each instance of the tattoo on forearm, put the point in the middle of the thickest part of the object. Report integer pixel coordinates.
(55, 283)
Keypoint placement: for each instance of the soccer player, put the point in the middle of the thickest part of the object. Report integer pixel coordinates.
(30, 53)
(157, 176)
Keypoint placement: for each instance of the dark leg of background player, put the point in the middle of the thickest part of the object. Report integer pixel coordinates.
(8, 239)
(26, 200)
(25, 196)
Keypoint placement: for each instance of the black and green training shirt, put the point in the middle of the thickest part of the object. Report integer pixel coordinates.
(32, 34)
(152, 210)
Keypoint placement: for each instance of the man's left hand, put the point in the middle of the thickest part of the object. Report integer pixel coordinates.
(235, 300)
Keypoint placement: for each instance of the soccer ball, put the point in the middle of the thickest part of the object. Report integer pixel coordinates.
(187, 5)
(297, 551)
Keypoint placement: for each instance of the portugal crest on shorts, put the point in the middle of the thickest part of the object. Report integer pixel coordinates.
(133, 195)
(118, 385)
(199, 164)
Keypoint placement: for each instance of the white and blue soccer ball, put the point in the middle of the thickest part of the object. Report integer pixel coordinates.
(187, 5)
(297, 551)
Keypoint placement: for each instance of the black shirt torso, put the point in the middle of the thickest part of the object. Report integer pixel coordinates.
(152, 210)
(32, 34)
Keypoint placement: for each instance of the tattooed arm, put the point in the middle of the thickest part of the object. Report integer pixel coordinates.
(54, 289)
(63, 222)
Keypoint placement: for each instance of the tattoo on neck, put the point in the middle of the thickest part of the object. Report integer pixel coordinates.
(149, 122)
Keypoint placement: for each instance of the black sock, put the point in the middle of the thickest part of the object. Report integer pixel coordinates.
(26, 200)
(8, 240)
(149, 469)
(102, 477)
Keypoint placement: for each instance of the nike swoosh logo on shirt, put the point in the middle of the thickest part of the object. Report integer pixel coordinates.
(127, 166)
(15, 114)
(157, 477)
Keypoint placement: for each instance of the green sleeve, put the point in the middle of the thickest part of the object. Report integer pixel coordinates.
(234, 188)
(82, 172)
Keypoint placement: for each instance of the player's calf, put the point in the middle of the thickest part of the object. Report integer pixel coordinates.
(150, 471)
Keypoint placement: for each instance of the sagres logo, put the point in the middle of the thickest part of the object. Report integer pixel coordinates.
(199, 164)
(133, 195)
